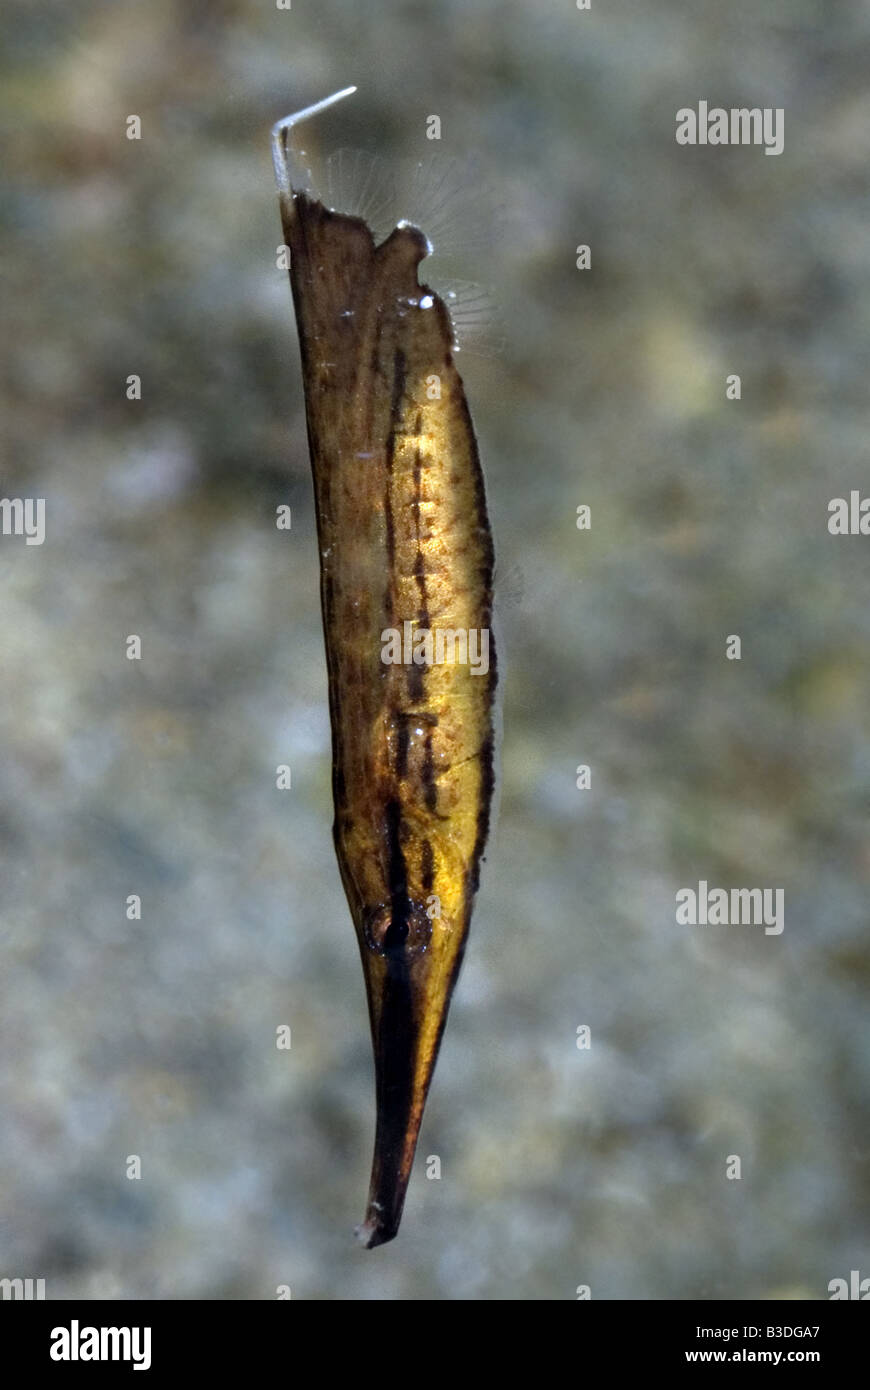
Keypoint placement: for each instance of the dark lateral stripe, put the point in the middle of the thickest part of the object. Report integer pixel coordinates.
(430, 788)
(400, 372)
(420, 576)
(427, 867)
(416, 688)
(397, 876)
(487, 783)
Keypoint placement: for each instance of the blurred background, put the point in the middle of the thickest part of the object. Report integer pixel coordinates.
(606, 387)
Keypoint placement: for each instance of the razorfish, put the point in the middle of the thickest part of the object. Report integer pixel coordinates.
(406, 561)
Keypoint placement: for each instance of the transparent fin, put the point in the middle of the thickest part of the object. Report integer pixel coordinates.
(445, 198)
(441, 194)
(362, 185)
(477, 324)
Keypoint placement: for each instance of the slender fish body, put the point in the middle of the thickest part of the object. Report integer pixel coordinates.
(405, 550)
